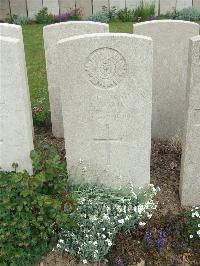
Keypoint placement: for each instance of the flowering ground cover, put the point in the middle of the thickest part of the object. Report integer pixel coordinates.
(170, 237)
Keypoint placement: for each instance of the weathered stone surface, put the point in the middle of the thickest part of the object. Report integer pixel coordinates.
(183, 4)
(98, 4)
(190, 167)
(53, 34)
(119, 4)
(130, 4)
(18, 7)
(171, 40)
(52, 5)
(66, 5)
(106, 105)
(4, 9)
(16, 140)
(34, 7)
(85, 6)
(13, 31)
(196, 4)
(167, 6)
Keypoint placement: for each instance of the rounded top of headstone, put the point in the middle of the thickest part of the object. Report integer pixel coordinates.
(75, 23)
(10, 30)
(166, 21)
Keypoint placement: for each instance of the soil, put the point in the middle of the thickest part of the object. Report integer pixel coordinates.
(131, 249)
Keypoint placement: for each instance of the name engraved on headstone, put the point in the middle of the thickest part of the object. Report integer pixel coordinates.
(105, 67)
(108, 141)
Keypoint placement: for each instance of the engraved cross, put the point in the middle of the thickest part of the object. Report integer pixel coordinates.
(108, 141)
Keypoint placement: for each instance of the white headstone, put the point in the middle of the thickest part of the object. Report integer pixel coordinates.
(53, 34)
(85, 6)
(34, 7)
(183, 4)
(171, 40)
(66, 6)
(119, 4)
(190, 167)
(16, 140)
(130, 4)
(4, 9)
(98, 4)
(167, 6)
(106, 105)
(18, 7)
(52, 5)
(196, 4)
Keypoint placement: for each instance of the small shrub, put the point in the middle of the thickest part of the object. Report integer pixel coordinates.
(32, 209)
(144, 12)
(100, 213)
(126, 15)
(75, 14)
(188, 14)
(18, 20)
(43, 17)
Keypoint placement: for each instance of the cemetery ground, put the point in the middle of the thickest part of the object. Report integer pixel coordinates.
(160, 241)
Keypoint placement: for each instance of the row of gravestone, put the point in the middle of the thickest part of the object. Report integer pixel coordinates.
(31, 7)
(100, 87)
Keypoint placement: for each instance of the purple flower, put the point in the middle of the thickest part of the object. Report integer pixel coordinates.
(148, 238)
(161, 239)
(118, 261)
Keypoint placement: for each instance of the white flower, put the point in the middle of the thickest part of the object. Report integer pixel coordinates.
(95, 243)
(191, 236)
(109, 242)
(198, 225)
(84, 261)
(103, 236)
(142, 223)
(198, 233)
(106, 217)
(61, 241)
(195, 214)
(80, 161)
(121, 221)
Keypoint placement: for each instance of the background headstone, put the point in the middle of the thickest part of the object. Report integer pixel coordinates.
(52, 5)
(183, 4)
(106, 105)
(98, 4)
(130, 4)
(53, 34)
(18, 7)
(34, 7)
(16, 140)
(4, 9)
(167, 6)
(66, 5)
(171, 40)
(119, 4)
(85, 6)
(196, 4)
(190, 167)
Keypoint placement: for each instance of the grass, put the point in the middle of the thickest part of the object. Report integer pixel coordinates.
(36, 68)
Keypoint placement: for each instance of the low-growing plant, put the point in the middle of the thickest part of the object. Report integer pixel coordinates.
(18, 20)
(33, 208)
(99, 17)
(43, 17)
(188, 14)
(74, 14)
(192, 231)
(100, 214)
